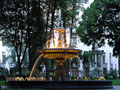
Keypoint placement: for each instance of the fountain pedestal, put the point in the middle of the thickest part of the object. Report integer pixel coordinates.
(60, 69)
(60, 54)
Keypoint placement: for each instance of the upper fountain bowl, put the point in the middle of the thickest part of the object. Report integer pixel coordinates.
(58, 47)
(57, 39)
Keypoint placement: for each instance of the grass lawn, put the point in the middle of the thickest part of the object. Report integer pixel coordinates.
(116, 82)
(2, 83)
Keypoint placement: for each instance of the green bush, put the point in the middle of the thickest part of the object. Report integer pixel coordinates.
(95, 72)
(110, 75)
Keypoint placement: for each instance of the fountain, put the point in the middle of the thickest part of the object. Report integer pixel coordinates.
(58, 49)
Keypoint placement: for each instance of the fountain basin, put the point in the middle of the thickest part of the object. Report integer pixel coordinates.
(91, 84)
(53, 53)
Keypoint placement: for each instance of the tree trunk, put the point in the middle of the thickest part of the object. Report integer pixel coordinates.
(71, 29)
(19, 66)
(28, 37)
(20, 70)
(71, 33)
(67, 68)
(53, 15)
(48, 12)
(52, 25)
(67, 60)
(119, 65)
(52, 20)
(46, 62)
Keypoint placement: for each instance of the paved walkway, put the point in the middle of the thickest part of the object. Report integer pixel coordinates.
(114, 88)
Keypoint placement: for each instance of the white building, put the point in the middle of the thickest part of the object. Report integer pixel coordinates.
(2, 53)
(104, 59)
(5, 61)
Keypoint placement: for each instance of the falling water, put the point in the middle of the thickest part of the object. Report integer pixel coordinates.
(59, 17)
(34, 66)
(78, 58)
(7, 66)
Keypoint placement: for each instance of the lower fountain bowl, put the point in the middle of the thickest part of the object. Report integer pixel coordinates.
(91, 84)
(53, 53)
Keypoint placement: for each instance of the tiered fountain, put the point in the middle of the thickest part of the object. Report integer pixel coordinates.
(58, 49)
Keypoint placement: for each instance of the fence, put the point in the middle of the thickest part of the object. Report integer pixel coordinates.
(80, 74)
(107, 74)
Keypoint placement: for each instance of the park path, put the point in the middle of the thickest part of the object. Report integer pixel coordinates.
(114, 88)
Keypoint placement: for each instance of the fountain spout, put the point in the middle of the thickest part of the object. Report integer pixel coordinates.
(59, 17)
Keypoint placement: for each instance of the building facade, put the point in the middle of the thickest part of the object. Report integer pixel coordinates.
(103, 56)
(6, 62)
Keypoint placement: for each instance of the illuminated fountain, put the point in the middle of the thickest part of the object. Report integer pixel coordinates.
(57, 48)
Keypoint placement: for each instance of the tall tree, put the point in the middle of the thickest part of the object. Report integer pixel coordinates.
(101, 21)
(36, 30)
(87, 60)
(13, 31)
(21, 27)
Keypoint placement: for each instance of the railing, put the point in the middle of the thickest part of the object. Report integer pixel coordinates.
(81, 74)
(2, 65)
(106, 74)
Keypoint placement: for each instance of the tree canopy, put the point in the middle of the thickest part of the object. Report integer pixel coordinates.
(25, 24)
(20, 21)
(101, 22)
